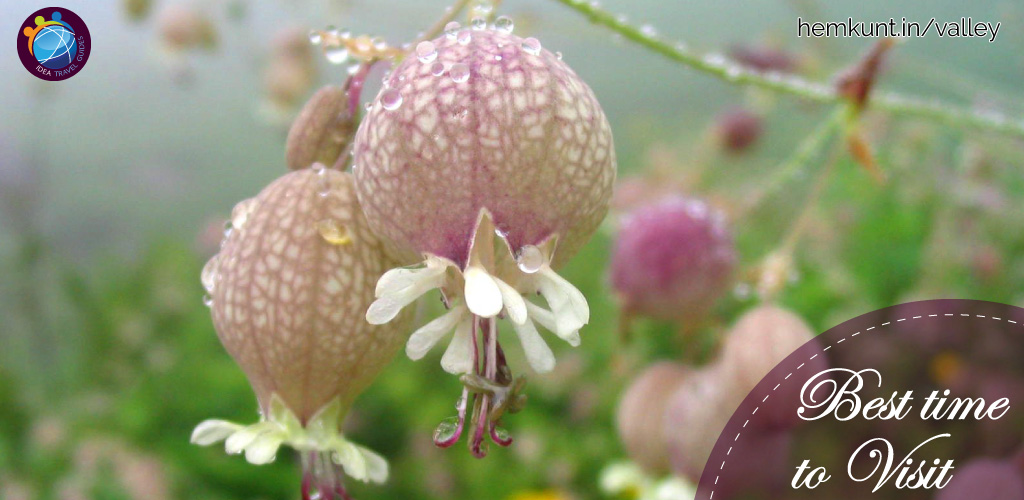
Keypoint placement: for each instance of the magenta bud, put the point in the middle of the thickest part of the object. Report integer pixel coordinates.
(672, 259)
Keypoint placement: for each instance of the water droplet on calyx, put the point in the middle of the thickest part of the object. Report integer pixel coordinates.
(530, 259)
(391, 99)
(531, 46)
(426, 52)
(209, 275)
(333, 233)
(315, 37)
(459, 73)
(504, 25)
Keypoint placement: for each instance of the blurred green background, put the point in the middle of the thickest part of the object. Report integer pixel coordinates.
(115, 184)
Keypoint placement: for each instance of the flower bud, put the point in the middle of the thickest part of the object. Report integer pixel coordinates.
(760, 340)
(321, 131)
(672, 259)
(738, 130)
(641, 415)
(695, 414)
(288, 291)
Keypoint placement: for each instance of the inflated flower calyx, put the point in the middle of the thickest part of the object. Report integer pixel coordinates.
(641, 415)
(288, 292)
(322, 130)
(761, 339)
(695, 414)
(672, 259)
(493, 160)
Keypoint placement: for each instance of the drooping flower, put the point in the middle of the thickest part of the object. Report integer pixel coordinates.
(672, 259)
(489, 157)
(288, 292)
(641, 414)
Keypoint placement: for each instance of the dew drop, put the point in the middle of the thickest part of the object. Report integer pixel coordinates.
(478, 24)
(531, 46)
(227, 230)
(323, 187)
(207, 300)
(333, 233)
(337, 54)
(240, 214)
(437, 69)
(459, 73)
(315, 37)
(558, 55)
(332, 30)
(463, 37)
(391, 99)
(209, 275)
(379, 43)
(649, 31)
(502, 434)
(451, 30)
(446, 430)
(530, 259)
(426, 52)
(504, 25)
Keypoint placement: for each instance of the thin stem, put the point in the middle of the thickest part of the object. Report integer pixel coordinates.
(810, 148)
(722, 68)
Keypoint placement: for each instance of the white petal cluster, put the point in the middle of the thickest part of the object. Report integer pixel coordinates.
(261, 441)
(485, 296)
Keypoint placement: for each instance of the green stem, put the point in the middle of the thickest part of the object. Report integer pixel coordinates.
(810, 148)
(722, 68)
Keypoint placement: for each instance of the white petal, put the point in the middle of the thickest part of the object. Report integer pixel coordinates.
(211, 431)
(376, 466)
(538, 354)
(396, 279)
(428, 335)
(515, 306)
(547, 320)
(458, 358)
(264, 448)
(482, 294)
(576, 297)
(387, 306)
(238, 441)
(348, 457)
(565, 307)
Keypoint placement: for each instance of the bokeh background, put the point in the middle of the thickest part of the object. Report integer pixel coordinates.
(115, 185)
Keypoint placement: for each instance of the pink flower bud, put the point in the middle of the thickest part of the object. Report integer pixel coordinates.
(641, 415)
(760, 340)
(672, 259)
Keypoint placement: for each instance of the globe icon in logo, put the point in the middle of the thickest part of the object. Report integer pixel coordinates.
(52, 42)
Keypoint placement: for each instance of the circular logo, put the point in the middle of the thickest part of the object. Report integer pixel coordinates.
(54, 44)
